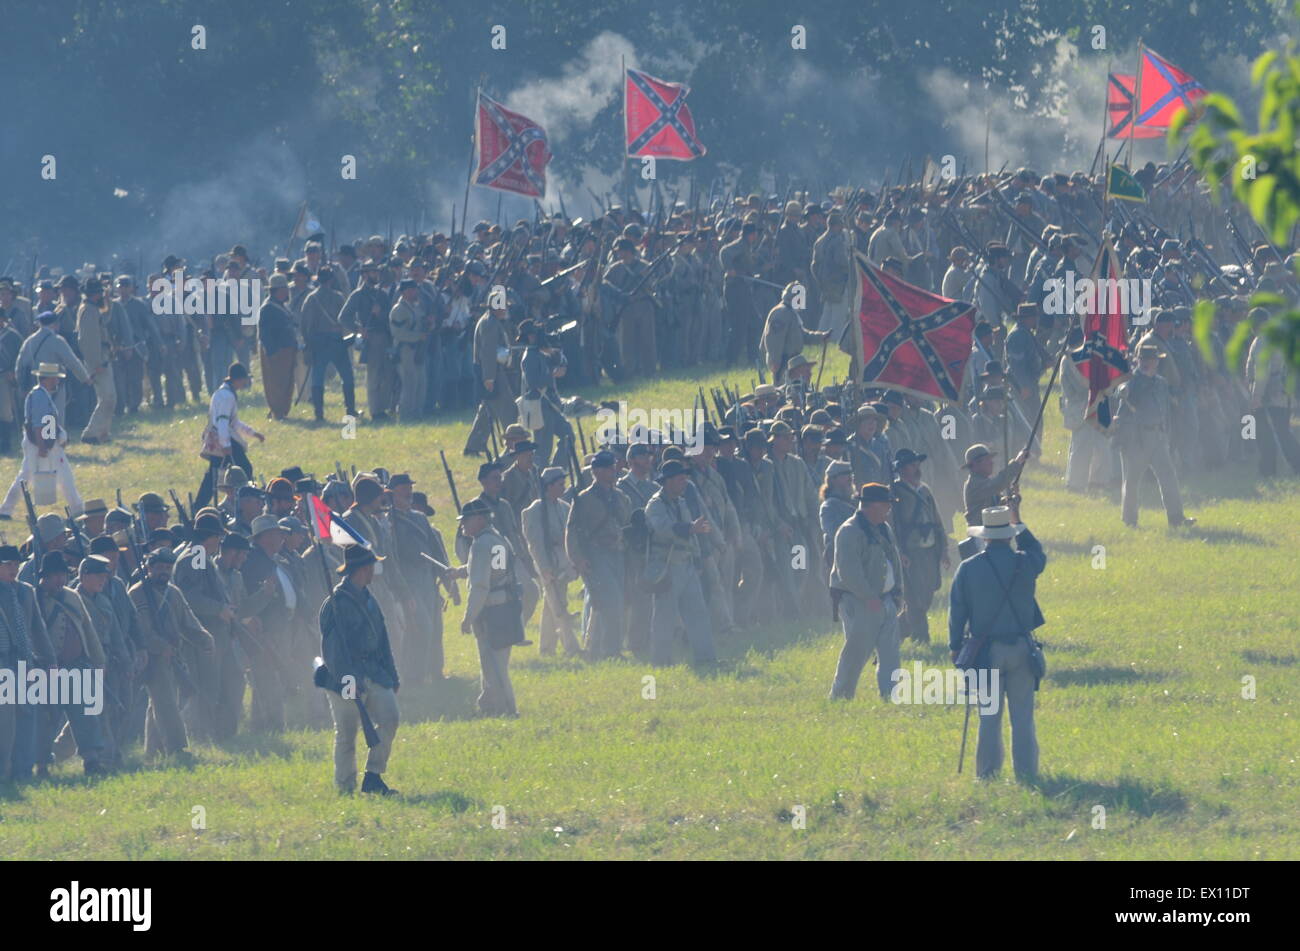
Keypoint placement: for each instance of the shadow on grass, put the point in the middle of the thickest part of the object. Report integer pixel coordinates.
(443, 800)
(1133, 795)
(451, 699)
(1277, 660)
(259, 745)
(1225, 536)
(1101, 676)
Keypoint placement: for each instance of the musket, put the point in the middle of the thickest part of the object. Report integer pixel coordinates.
(451, 481)
(73, 531)
(704, 407)
(37, 548)
(581, 435)
(338, 472)
(186, 519)
(119, 499)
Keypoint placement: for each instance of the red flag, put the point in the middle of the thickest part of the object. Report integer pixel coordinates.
(512, 150)
(658, 121)
(912, 340)
(1103, 358)
(1119, 106)
(1163, 90)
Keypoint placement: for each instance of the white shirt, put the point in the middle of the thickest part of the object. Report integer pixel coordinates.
(223, 413)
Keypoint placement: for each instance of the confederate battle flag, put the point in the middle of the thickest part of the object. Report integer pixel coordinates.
(912, 340)
(1103, 358)
(1119, 106)
(659, 124)
(511, 149)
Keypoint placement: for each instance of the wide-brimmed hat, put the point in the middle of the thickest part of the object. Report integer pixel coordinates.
(975, 453)
(357, 556)
(234, 478)
(264, 523)
(672, 467)
(996, 524)
(551, 474)
(874, 492)
(95, 507)
(838, 467)
(474, 507)
(50, 369)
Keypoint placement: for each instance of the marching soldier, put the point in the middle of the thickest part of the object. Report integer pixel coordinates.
(636, 483)
(356, 649)
(629, 299)
(97, 356)
(740, 316)
(167, 623)
(593, 540)
(496, 394)
(673, 569)
(323, 333)
(832, 266)
(922, 542)
(76, 646)
(232, 653)
(493, 607)
(1142, 424)
(408, 324)
(867, 579)
(543, 526)
(414, 538)
(199, 579)
(784, 333)
(23, 638)
(278, 335)
(367, 307)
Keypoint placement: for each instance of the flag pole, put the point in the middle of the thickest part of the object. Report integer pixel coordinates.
(296, 225)
(473, 151)
(627, 200)
(1137, 101)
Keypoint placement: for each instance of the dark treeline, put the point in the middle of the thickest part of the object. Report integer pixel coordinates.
(229, 139)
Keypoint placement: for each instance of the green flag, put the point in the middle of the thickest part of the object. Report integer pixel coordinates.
(1121, 184)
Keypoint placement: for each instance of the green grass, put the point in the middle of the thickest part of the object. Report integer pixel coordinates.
(1141, 713)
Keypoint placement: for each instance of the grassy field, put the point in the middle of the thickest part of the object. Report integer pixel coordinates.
(1142, 712)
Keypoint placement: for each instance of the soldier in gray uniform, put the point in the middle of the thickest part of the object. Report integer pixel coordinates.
(867, 581)
(639, 488)
(496, 392)
(983, 486)
(922, 542)
(593, 539)
(1142, 424)
(628, 295)
(543, 525)
(739, 314)
(492, 608)
(672, 569)
(784, 333)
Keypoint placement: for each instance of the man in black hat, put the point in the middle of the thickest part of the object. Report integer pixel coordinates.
(673, 567)
(94, 587)
(225, 440)
(414, 538)
(740, 315)
(199, 579)
(493, 607)
(356, 649)
(867, 579)
(277, 332)
(491, 476)
(922, 542)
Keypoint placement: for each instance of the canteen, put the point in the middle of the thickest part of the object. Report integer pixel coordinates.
(530, 413)
(45, 490)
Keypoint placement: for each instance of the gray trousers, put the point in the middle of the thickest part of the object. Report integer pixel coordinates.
(865, 631)
(682, 605)
(381, 704)
(603, 585)
(1016, 686)
(749, 565)
(496, 692)
(1087, 462)
(500, 405)
(1143, 448)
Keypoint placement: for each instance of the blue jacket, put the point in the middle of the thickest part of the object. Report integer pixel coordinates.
(977, 598)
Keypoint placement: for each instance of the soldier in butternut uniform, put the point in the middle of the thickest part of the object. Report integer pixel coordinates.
(97, 354)
(628, 295)
(544, 520)
(867, 580)
(922, 542)
(593, 539)
(784, 333)
(491, 362)
(410, 335)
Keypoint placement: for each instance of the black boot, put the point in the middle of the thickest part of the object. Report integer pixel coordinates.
(350, 399)
(373, 784)
(318, 402)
